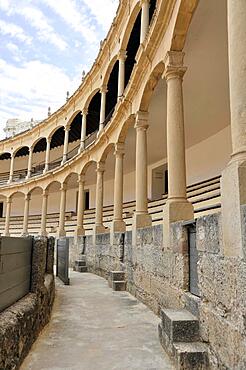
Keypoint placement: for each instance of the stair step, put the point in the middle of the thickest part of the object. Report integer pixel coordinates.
(191, 356)
(117, 275)
(119, 286)
(180, 325)
(81, 269)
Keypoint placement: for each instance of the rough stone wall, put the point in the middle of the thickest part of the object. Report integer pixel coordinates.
(21, 323)
(159, 276)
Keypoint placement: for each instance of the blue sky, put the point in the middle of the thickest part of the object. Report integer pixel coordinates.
(44, 47)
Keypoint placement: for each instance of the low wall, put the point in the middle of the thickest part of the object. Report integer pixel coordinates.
(159, 277)
(21, 323)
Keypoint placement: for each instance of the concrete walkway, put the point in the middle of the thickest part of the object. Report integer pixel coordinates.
(94, 328)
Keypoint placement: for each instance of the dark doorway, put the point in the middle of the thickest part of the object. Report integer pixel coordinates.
(1, 209)
(87, 199)
(193, 260)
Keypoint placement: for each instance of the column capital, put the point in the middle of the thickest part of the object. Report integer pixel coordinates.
(142, 120)
(119, 149)
(100, 167)
(81, 179)
(122, 55)
(84, 111)
(28, 197)
(144, 2)
(9, 200)
(48, 139)
(45, 192)
(67, 127)
(174, 65)
(63, 186)
(31, 147)
(104, 89)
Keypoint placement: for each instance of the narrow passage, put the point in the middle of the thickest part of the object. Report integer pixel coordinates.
(94, 328)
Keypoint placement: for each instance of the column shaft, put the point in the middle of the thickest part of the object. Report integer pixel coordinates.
(121, 77)
(44, 213)
(62, 211)
(103, 108)
(81, 207)
(7, 216)
(144, 20)
(83, 130)
(29, 168)
(47, 155)
(11, 171)
(65, 148)
(237, 74)
(26, 215)
(118, 223)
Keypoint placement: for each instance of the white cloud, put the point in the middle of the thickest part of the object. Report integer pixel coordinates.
(75, 17)
(45, 31)
(14, 31)
(31, 88)
(103, 14)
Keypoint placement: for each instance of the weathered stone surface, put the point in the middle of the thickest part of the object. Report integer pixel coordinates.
(21, 323)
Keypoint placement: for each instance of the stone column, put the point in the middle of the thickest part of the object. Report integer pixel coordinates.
(141, 216)
(29, 168)
(83, 130)
(99, 228)
(121, 77)
(11, 171)
(233, 182)
(47, 155)
(177, 207)
(43, 231)
(26, 215)
(65, 148)
(7, 216)
(61, 231)
(118, 223)
(103, 107)
(144, 20)
(81, 206)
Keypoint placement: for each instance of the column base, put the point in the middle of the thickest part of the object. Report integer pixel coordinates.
(44, 233)
(118, 226)
(45, 170)
(100, 229)
(175, 211)
(61, 233)
(79, 231)
(233, 197)
(141, 220)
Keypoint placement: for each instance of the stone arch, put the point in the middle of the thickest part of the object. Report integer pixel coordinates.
(66, 179)
(52, 183)
(185, 13)
(129, 122)
(16, 192)
(87, 165)
(130, 24)
(109, 148)
(33, 188)
(109, 70)
(150, 86)
(90, 97)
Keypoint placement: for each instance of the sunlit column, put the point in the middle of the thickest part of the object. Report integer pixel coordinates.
(118, 223)
(7, 216)
(83, 129)
(65, 147)
(81, 206)
(63, 190)
(26, 215)
(47, 154)
(11, 171)
(29, 168)
(144, 20)
(121, 77)
(141, 217)
(44, 212)
(99, 198)
(103, 107)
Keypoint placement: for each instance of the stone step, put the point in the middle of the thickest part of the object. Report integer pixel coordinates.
(119, 286)
(180, 325)
(115, 276)
(80, 263)
(81, 269)
(191, 356)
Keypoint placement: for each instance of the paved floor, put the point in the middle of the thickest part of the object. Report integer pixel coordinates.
(94, 328)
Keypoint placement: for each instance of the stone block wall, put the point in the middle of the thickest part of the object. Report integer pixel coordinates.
(159, 276)
(21, 323)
